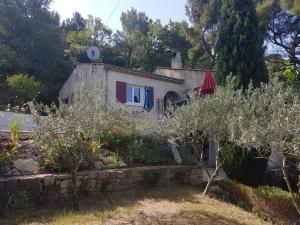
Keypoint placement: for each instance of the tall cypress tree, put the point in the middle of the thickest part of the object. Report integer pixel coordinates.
(239, 45)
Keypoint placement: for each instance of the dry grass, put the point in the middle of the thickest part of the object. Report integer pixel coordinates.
(163, 206)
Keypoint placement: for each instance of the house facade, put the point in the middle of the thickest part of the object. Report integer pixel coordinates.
(166, 85)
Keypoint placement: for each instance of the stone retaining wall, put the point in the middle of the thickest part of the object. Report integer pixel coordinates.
(47, 188)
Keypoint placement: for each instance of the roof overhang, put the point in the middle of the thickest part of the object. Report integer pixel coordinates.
(143, 74)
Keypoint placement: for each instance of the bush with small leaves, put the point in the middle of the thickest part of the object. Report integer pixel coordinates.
(23, 87)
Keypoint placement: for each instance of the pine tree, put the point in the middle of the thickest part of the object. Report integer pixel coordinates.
(239, 45)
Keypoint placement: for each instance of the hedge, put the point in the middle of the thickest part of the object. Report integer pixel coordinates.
(272, 203)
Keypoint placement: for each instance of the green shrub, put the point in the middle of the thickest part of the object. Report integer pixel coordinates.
(24, 87)
(61, 157)
(134, 151)
(271, 203)
(7, 154)
(147, 151)
(116, 158)
(14, 128)
(275, 204)
(4, 159)
(239, 194)
(189, 160)
(241, 165)
(151, 178)
(112, 139)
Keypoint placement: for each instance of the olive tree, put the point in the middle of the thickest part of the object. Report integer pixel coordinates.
(71, 135)
(269, 118)
(206, 116)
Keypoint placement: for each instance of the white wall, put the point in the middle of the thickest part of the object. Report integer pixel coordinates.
(193, 78)
(83, 75)
(160, 87)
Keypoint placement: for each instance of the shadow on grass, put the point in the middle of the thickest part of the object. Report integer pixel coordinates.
(102, 206)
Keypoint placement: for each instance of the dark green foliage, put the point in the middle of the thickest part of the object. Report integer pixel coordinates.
(189, 160)
(147, 151)
(241, 165)
(277, 180)
(8, 149)
(23, 87)
(151, 178)
(239, 45)
(276, 204)
(271, 203)
(32, 42)
(239, 194)
(204, 16)
(76, 23)
(144, 45)
(4, 159)
(94, 32)
(282, 32)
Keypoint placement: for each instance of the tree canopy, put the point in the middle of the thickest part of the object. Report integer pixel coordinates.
(239, 45)
(34, 42)
(31, 42)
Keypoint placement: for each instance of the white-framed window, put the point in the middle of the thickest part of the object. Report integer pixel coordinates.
(135, 95)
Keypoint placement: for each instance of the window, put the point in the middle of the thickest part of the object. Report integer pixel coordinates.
(134, 95)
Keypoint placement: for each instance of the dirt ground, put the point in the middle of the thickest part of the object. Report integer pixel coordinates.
(162, 206)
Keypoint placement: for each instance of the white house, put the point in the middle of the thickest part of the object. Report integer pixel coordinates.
(167, 85)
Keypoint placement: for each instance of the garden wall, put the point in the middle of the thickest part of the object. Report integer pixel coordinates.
(47, 188)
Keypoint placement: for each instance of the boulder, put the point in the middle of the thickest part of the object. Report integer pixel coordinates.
(107, 160)
(99, 165)
(21, 144)
(14, 172)
(110, 166)
(100, 156)
(26, 166)
(122, 164)
(175, 152)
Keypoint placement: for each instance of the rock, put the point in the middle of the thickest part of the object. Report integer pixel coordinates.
(30, 142)
(27, 166)
(107, 160)
(21, 144)
(175, 152)
(49, 181)
(100, 156)
(14, 172)
(65, 184)
(99, 165)
(122, 164)
(110, 166)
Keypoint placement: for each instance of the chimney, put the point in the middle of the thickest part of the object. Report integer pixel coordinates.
(176, 62)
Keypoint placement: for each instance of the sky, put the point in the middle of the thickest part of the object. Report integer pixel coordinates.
(110, 10)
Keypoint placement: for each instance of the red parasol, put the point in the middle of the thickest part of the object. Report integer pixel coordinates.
(209, 84)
